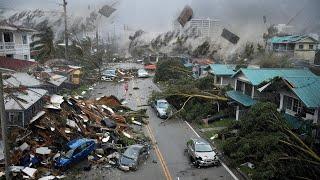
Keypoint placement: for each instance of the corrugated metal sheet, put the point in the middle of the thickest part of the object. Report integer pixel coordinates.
(24, 99)
(222, 69)
(258, 76)
(307, 89)
(22, 79)
(241, 98)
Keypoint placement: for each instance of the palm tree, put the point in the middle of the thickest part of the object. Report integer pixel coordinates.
(43, 44)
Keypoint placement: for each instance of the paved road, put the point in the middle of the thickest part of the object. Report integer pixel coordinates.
(170, 140)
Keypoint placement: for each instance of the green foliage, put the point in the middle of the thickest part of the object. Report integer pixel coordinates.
(260, 140)
(206, 83)
(197, 109)
(171, 70)
(43, 44)
(269, 60)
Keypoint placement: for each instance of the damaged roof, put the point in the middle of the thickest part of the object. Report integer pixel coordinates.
(222, 69)
(16, 64)
(258, 76)
(23, 99)
(22, 79)
(289, 39)
(57, 79)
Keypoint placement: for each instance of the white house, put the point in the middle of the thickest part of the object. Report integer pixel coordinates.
(15, 41)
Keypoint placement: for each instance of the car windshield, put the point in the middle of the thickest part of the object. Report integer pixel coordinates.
(163, 105)
(110, 71)
(131, 153)
(203, 148)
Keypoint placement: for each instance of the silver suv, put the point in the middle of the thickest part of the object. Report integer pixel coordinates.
(201, 153)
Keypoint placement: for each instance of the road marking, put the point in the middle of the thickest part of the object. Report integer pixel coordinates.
(224, 165)
(156, 148)
(160, 157)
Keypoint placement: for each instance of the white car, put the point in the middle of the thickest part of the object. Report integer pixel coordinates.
(142, 73)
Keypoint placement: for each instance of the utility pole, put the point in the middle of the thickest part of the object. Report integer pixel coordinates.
(4, 129)
(65, 29)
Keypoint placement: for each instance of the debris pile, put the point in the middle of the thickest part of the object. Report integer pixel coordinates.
(67, 121)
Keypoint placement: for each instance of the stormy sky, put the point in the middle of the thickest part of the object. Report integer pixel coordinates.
(158, 15)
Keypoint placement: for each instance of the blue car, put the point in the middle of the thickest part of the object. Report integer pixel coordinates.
(79, 149)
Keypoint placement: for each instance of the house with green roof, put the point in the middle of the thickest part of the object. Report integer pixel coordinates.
(250, 86)
(222, 74)
(300, 47)
(299, 99)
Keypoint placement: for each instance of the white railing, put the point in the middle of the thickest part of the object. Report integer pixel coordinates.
(11, 47)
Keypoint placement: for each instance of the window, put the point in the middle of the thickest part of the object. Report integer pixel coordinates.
(24, 39)
(293, 104)
(25, 57)
(8, 36)
(218, 80)
(300, 46)
(9, 55)
(310, 46)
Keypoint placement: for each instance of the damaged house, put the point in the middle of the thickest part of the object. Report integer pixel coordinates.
(22, 104)
(299, 47)
(53, 83)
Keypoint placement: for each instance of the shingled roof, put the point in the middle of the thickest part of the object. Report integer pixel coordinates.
(16, 64)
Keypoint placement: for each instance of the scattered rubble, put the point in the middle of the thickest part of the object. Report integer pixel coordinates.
(105, 120)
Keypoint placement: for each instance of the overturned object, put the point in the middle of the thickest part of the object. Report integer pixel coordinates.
(185, 15)
(230, 36)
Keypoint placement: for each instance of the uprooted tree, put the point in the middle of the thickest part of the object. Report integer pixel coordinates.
(265, 139)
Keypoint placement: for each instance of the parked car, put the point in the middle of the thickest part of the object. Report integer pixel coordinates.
(142, 73)
(109, 74)
(78, 149)
(162, 108)
(133, 157)
(201, 153)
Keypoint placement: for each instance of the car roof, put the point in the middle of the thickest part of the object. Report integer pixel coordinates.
(200, 141)
(78, 142)
(162, 100)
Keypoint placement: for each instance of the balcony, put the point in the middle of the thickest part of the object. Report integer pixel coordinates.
(13, 48)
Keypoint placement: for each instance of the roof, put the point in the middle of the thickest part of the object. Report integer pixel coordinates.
(307, 89)
(23, 99)
(222, 69)
(56, 79)
(258, 76)
(202, 61)
(289, 39)
(241, 98)
(22, 79)
(11, 27)
(15, 64)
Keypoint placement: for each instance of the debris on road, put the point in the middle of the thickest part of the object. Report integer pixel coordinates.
(51, 137)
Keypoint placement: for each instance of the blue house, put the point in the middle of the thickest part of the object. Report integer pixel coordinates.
(222, 74)
(250, 86)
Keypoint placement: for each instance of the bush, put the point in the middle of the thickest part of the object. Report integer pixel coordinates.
(171, 69)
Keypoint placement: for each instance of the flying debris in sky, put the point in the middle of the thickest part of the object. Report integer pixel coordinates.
(185, 15)
(230, 36)
(107, 10)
